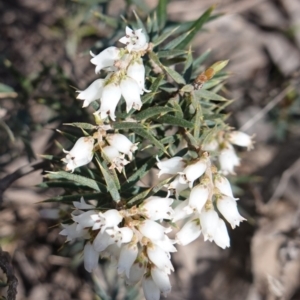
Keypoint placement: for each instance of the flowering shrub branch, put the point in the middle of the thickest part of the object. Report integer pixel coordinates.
(149, 116)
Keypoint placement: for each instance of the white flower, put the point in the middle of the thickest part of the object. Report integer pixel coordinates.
(221, 237)
(136, 273)
(84, 219)
(209, 222)
(179, 211)
(111, 218)
(157, 208)
(111, 96)
(228, 208)
(177, 186)
(228, 160)
(82, 204)
(211, 146)
(170, 166)
(121, 143)
(106, 58)
(189, 232)
(193, 171)
(90, 257)
(102, 241)
(198, 197)
(71, 232)
(117, 159)
(166, 244)
(91, 93)
(223, 184)
(241, 139)
(127, 257)
(160, 258)
(81, 153)
(161, 279)
(136, 71)
(131, 93)
(134, 40)
(152, 230)
(150, 289)
(120, 235)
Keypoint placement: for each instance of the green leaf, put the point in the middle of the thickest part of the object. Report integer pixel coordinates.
(197, 25)
(188, 66)
(175, 75)
(127, 125)
(209, 95)
(198, 120)
(154, 88)
(146, 134)
(157, 41)
(70, 198)
(152, 111)
(162, 13)
(172, 120)
(62, 184)
(112, 22)
(110, 182)
(170, 53)
(81, 125)
(97, 186)
(172, 44)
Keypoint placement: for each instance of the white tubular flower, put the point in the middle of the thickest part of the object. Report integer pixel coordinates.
(157, 208)
(111, 96)
(228, 208)
(228, 160)
(223, 184)
(150, 289)
(179, 211)
(189, 232)
(111, 218)
(170, 166)
(84, 219)
(241, 139)
(160, 258)
(82, 204)
(92, 93)
(102, 241)
(106, 58)
(117, 159)
(134, 40)
(166, 244)
(198, 197)
(127, 257)
(177, 186)
(193, 172)
(221, 237)
(131, 93)
(209, 222)
(81, 154)
(121, 143)
(71, 232)
(161, 279)
(136, 273)
(152, 230)
(136, 71)
(120, 235)
(90, 257)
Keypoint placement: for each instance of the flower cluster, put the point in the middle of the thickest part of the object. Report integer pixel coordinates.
(132, 237)
(125, 76)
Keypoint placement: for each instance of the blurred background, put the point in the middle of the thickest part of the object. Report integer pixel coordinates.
(44, 57)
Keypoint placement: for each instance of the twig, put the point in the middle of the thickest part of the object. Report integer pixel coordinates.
(12, 280)
(266, 109)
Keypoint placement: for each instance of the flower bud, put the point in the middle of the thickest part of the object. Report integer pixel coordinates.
(228, 208)
(80, 155)
(92, 93)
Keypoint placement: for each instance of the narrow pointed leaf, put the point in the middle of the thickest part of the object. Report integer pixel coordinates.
(209, 95)
(170, 53)
(175, 75)
(161, 13)
(81, 125)
(172, 120)
(157, 41)
(152, 111)
(175, 42)
(141, 25)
